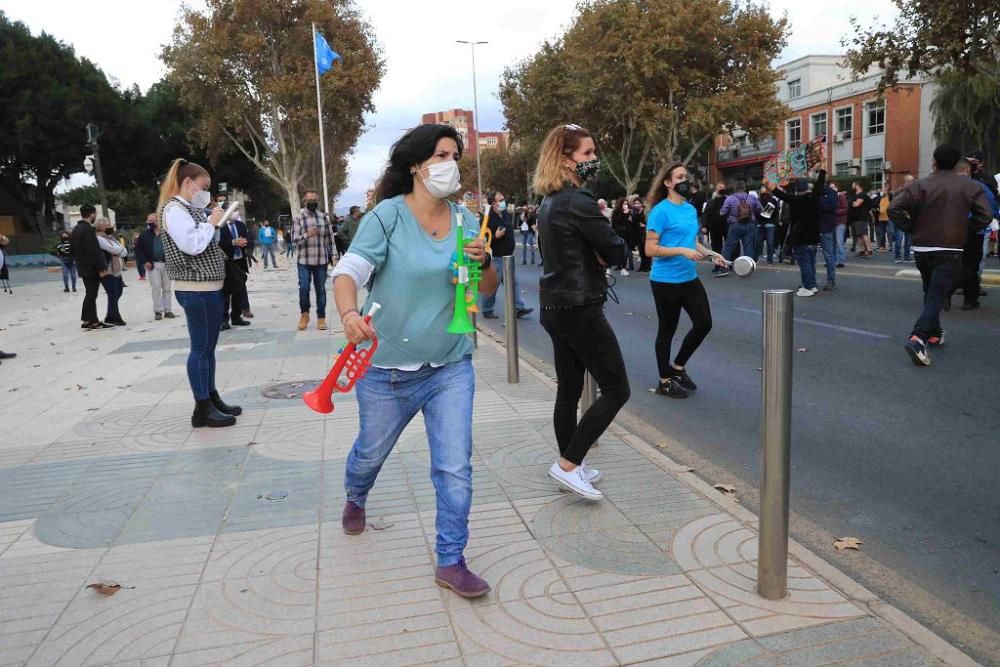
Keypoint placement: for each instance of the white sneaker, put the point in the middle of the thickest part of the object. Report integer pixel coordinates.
(804, 292)
(607, 272)
(574, 481)
(592, 475)
(814, 290)
(624, 273)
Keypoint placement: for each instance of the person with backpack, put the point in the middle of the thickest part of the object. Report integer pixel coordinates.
(741, 211)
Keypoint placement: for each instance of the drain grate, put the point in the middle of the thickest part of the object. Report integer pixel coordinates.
(289, 390)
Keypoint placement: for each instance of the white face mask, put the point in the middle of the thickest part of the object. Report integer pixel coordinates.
(201, 199)
(442, 179)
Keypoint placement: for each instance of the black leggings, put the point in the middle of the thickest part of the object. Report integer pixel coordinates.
(582, 340)
(670, 298)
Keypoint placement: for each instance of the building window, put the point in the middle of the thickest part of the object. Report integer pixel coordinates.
(819, 125)
(793, 132)
(794, 89)
(845, 122)
(873, 169)
(875, 111)
(842, 169)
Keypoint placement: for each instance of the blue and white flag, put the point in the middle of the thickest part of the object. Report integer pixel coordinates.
(324, 55)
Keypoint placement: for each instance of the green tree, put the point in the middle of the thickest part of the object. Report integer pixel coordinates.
(929, 36)
(966, 111)
(245, 69)
(707, 70)
(507, 170)
(49, 97)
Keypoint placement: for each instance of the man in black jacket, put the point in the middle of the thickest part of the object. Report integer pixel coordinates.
(91, 265)
(503, 245)
(234, 239)
(150, 255)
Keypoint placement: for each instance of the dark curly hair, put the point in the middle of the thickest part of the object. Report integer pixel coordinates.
(413, 148)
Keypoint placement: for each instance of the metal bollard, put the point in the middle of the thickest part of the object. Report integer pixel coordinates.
(510, 320)
(589, 393)
(775, 440)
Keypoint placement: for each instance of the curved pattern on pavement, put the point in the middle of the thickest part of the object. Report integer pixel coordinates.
(112, 423)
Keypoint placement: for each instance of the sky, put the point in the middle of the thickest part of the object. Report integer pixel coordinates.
(425, 69)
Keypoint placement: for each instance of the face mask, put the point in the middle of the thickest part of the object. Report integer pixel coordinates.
(502, 205)
(201, 199)
(588, 170)
(312, 206)
(683, 189)
(442, 179)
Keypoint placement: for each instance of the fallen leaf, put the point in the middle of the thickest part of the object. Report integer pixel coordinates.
(846, 545)
(681, 468)
(724, 488)
(850, 539)
(36, 366)
(108, 589)
(99, 378)
(251, 443)
(380, 524)
(79, 387)
(291, 395)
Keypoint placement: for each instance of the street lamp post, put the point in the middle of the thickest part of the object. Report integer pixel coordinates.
(93, 163)
(475, 112)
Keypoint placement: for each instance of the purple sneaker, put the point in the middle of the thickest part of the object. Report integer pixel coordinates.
(353, 519)
(458, 578)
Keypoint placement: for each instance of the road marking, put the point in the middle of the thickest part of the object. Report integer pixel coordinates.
(826, 325)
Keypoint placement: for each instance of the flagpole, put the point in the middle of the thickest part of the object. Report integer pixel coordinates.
(319, 117)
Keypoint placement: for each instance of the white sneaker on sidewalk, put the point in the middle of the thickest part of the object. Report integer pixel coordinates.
(592, 475)
(804, 292)
(574, 481)
(624, 273)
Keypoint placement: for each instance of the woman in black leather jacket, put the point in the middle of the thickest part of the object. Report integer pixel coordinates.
(579, 244)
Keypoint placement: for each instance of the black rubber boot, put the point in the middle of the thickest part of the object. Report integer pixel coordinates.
(205, 414)
(221, 406)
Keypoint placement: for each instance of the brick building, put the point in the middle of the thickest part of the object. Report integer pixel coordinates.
(883, 139)
(464, 121)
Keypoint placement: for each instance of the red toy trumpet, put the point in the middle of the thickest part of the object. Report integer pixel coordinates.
(354, 360)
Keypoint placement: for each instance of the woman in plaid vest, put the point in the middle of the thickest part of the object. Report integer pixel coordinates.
(196, 264)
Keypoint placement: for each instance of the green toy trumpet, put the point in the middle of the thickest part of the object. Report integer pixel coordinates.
(466, 275)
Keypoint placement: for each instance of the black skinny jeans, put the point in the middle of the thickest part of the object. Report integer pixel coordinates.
(670, 298)
(940, 271)
(582, 340)
(91, 286)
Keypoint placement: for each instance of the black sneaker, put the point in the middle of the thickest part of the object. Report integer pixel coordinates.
(489, 315)
(671, 388)
(829, 286)
(722, 273)
(917, 351)
(683, 379)
(524, 311)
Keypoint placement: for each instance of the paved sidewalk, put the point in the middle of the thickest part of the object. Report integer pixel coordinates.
(228, 543)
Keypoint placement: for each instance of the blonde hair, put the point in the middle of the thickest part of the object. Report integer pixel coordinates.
(550, 174)
(180, 170)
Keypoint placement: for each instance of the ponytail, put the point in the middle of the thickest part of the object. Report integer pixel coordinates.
(180, 170)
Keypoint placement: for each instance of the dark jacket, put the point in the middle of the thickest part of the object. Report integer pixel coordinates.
(940, 210)
(804, 208)
(503, 246)
(145, 247)
(90, 259)
(620, 222)
(713, 213)
(828, 204)
(841, 214)
(226, 239)
(572, 231)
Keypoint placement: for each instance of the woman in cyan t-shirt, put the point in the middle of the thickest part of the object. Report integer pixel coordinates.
(404, 246)
(672, 242)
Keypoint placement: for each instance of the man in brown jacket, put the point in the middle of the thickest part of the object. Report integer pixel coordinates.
(939, 211)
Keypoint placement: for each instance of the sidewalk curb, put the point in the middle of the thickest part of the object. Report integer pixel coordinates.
(990, 276)
(855, 592)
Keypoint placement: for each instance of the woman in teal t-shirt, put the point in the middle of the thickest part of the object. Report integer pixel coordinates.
(672, 242)
(405, 247)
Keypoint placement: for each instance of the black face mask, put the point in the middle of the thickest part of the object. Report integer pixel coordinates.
(312, 206)
(683, 189)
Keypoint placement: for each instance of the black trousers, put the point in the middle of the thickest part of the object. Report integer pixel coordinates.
(940, 271)
(717, 232)
(670, 299)
(971, 257)
(234, 289)
(91, 286)
(583, 341)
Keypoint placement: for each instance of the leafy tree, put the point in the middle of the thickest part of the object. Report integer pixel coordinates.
(707, 70)
(928, 36)
(49, 97)
(966, 111)
(507, 170)
(245, 69)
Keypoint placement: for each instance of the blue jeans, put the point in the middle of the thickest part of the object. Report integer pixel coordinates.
(805, 256)
(387, 401)
(69, 273)
(317, 274)
(267, 249)
(766, 234)
(289, 248)
(841, 233)
(203, 312)
(740, 233)
(113, 287)
(490, 301)
(903, 244)
(526, 239)
(828, 242)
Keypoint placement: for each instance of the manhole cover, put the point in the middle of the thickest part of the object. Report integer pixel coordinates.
(289, 390)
